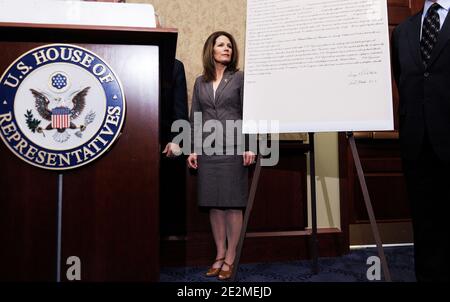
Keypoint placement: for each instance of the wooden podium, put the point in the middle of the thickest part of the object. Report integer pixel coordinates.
(110, 212)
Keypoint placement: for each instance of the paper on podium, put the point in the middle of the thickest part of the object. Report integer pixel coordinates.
(77, 13)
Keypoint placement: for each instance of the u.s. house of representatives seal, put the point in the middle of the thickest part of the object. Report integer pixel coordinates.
(61, 107)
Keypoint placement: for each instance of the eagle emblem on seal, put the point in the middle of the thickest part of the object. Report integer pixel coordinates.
(63, 112)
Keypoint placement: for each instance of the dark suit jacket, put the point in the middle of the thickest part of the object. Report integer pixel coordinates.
(227, 105)
(424, 92)
(175, 105)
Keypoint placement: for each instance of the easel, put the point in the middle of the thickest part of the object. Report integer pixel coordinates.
(314, 240)
(59, 228)
(373, 222)
(251, 199)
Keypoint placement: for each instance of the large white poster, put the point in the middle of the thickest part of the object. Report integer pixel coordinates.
(317, 66)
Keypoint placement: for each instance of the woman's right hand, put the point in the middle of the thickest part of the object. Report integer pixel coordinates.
(192, 161)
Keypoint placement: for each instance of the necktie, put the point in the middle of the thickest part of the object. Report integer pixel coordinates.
(430, 31)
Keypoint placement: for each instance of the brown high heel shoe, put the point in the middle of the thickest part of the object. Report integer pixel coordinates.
(214, 271)
(225, 275)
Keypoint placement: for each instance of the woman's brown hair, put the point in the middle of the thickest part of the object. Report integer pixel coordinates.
(209, 66)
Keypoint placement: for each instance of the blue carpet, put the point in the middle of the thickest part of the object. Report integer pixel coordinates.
(349, 268)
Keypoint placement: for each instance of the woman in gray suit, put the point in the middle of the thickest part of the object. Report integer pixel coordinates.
(223, 160)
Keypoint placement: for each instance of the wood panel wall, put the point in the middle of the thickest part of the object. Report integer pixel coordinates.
(380, 157)
(277, 228)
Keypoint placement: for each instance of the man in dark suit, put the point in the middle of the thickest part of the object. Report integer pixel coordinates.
(421, 64)
(176, 99)
(174, 106)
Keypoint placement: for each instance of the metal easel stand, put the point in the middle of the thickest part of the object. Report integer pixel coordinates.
(59, 228)
(314, 241)
(373, 223)
(251, 201)
(248, 210)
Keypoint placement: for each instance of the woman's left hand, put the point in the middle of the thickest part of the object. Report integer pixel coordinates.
(249, 158)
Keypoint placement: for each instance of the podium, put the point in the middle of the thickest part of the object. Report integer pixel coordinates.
(110, 207)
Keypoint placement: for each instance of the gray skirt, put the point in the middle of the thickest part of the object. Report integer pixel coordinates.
(222, 181)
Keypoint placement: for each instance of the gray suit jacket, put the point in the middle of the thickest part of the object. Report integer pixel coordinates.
(222, 112)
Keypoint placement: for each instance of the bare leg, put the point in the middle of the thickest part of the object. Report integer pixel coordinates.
(234, 226)
(217, 219)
